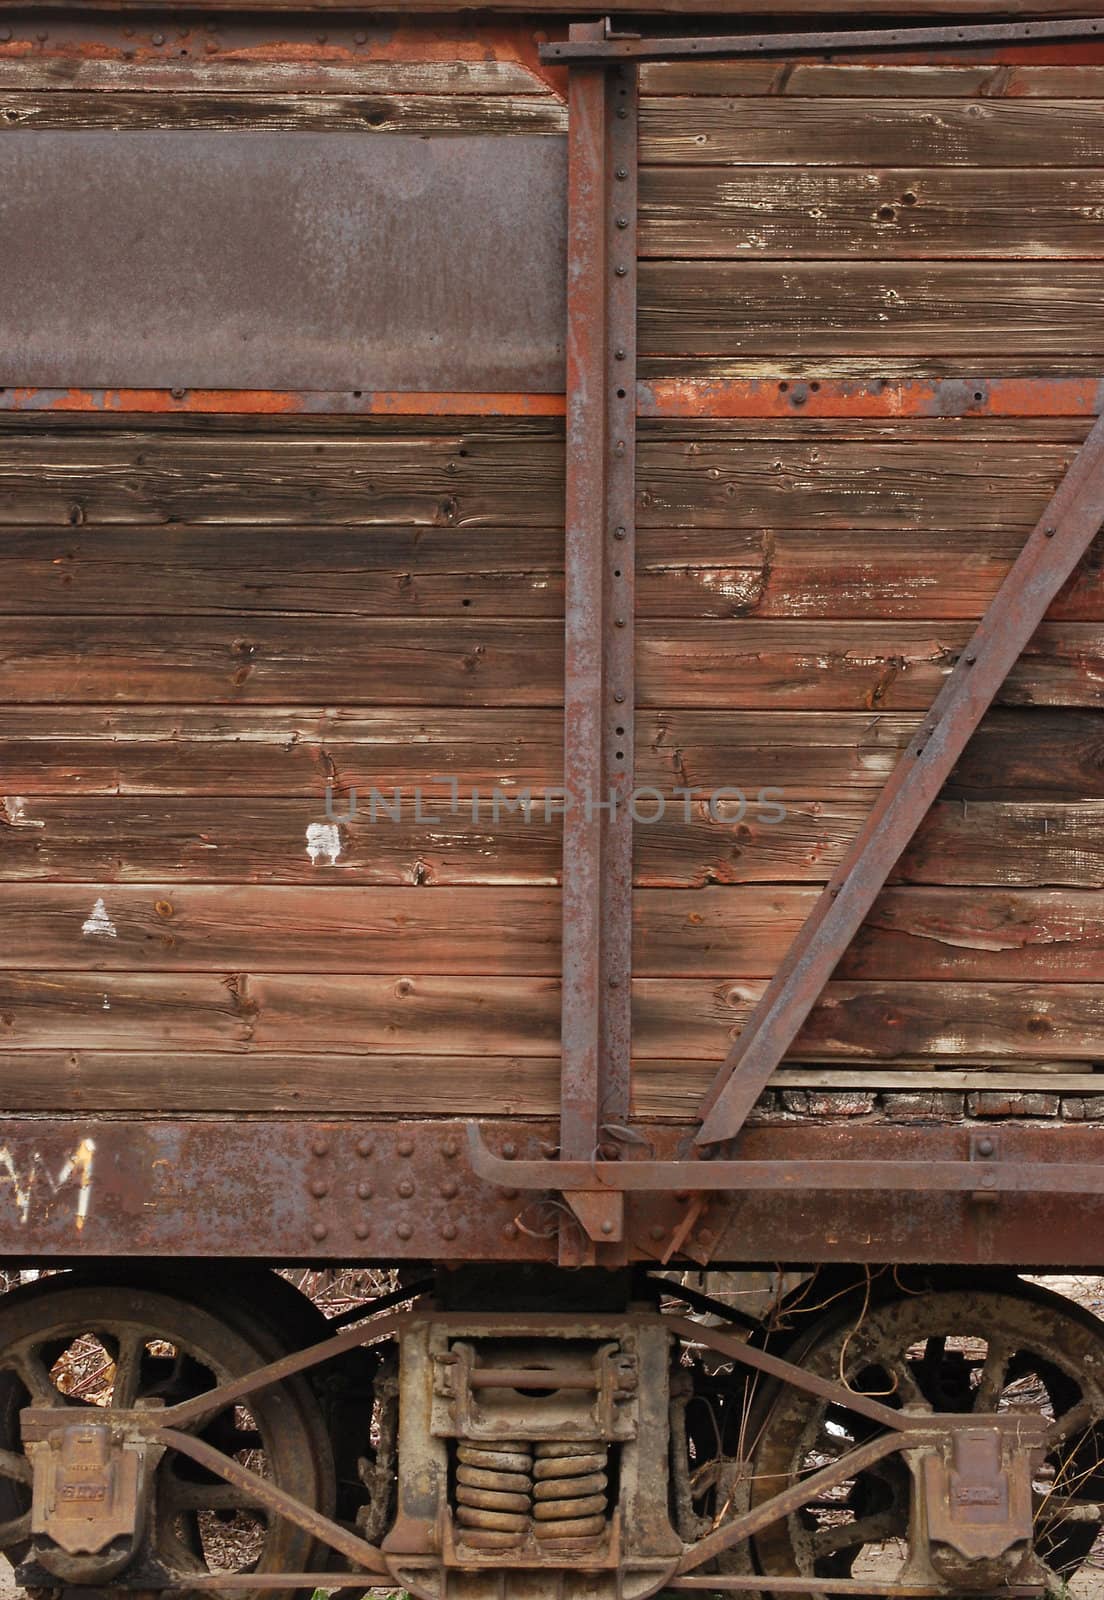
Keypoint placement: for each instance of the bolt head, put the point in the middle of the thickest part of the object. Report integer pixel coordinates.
(364, 1147)
(404, 1230)
(319, 1230)
(406, 1147)
(362, 1230)
(320, 1147)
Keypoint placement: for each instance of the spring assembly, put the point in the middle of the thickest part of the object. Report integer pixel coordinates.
(494, 1491)
(570, 1491)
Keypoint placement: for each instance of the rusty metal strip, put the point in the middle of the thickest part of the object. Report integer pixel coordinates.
(1063, 534)
(608, 47)
(694, 398)
(598, 672)
(284, 402)
(276, 1500)
(738, 1582)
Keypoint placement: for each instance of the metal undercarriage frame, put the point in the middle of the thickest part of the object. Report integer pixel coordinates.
(964, 1465)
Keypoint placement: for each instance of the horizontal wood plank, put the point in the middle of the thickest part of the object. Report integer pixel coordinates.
(929, 574)
(167, 1082)
(914, 934)
(119, 839)
(280, 753)
(743, 663)
(901, 213)
(798, 310)
(902, 132)
(428, 114)
(946, 79)
(419, 1015)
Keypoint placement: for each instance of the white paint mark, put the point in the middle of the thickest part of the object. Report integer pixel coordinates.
(323, 839)
(98, 923)
(24, 1184)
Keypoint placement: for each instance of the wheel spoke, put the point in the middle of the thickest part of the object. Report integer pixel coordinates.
(991, 1383)
(15, 1531)
(128, 1369)
(35, 1378)
(15, 1467)
(1072, 1421)
(212, 1497)
(864, 1530)
(1067, 1508)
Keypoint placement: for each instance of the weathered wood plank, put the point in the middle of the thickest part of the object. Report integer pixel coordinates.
(428, 114)
(171, 1082)
(713, 482)
(116, 569)
(280, 753)
(420, 1015)
(836, 79)
(438, 480)
(744, 663)
(917, 934)
(722, 478)
(901, 132)
(120, 839)
(294, 73)
(932, 310)
(893, 212)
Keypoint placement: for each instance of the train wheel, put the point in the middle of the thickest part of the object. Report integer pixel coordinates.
(941, 1351)
(71, 1347)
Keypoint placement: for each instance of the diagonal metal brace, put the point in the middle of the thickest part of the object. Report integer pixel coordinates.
(1057, 544)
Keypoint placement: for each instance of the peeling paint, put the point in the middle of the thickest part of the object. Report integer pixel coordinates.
(24, 1183)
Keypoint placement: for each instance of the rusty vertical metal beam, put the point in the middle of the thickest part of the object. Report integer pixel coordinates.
(1063, 534)
(599, 562)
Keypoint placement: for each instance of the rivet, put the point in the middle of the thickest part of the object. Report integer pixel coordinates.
(607, 1226)
(362, 1230)
(450, 1149)
(319, 1230)
(619, 699)
(705, 1237)
(450, 1188)
(621, 271)
(619, 355)
(613, 982)
(406, 1188)
(970, 660)
(657, 1230)
(622, 112)
(319, 1188)
(360, 38)
(158, 38)
(989, 1181)
(622, 222)
(320, 1147)
(404, 1230)
(1050, 532)
(509, 1151)
(619, 622)
(405, 1147)
(449, 1231)
(985, 1147)
(178, 394)
(620, 533)
(365, 1147)
(622, 173)
(365, 1191)
(42, 36)
(510, 1231)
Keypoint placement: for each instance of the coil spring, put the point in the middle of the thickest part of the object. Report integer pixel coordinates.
(570, 1498)
(494, 1489)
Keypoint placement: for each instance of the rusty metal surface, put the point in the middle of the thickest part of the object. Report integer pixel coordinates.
(1059, 540)
(596, 1027)
(169, 259)
(689, 398)
(403, 1191)
(623, 47)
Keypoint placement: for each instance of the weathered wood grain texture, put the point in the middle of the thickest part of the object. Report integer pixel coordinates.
(167, 1082)
(967, 76)
(504, 1016)
(120, 839)
(742, 663)
(912, 934)
(429, 114)
(896, 213)
(277, 753)
(902, 131)
(720, 478)
(931, 310)
(294, 73)
(119, 570)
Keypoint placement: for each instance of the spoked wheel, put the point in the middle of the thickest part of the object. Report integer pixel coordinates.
(90, 1347)
(942, 1351)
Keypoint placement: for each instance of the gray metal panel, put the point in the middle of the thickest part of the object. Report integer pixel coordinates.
(253, 260)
